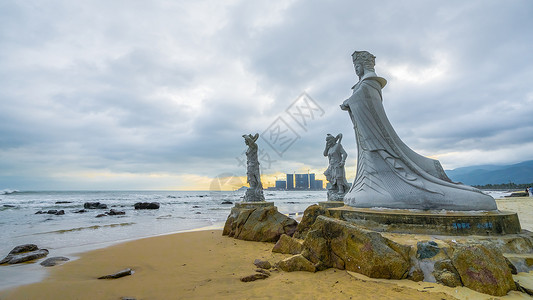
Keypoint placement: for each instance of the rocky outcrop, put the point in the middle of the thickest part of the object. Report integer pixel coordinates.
(146, 205)
(296, 263)
(339, 244)
(119, 274)
(483, 268)
(308, 219)
(94, 205)
(24, 253)
(54, 261)
(288, 245)
(262, 224)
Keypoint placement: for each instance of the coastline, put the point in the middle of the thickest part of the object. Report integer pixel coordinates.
(20, 275)
(200, 263)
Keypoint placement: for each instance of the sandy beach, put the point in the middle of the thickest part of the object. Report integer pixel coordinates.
(204, 264)
(199, 265)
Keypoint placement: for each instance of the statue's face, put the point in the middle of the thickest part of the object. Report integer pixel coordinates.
(359, 70)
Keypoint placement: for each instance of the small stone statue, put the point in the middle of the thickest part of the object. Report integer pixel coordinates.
(255, 192)
(389, 173)
(335, 173)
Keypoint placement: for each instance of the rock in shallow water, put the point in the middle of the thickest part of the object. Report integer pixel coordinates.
(146, 205)
(51, 212)
(94, 205)
(24, 253)
(115, 213)
(54, 261)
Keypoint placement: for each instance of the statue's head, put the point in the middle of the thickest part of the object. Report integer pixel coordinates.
(363, 61)
(250, 139)
(330, 140)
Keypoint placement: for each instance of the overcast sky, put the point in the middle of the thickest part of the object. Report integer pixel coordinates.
(157, 94)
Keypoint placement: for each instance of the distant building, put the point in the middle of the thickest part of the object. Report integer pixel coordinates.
(301, 181)
(318, 185)
(290, 182)
(281, 185)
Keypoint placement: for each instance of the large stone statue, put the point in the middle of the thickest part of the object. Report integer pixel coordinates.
(335, 173)
(390, 174)
(255, 192)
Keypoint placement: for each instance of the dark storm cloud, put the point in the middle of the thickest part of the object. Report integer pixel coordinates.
(169, 87)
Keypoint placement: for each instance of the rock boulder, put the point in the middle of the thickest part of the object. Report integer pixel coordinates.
(445, 273)
(262, 224)
(146, 205)
(94, 205)
(483, 268)
(119, 274)
(308, 219)
(335, 243)
(263, 264)
(288, 245)
(24, 253)
(296, 263)
(54, 261)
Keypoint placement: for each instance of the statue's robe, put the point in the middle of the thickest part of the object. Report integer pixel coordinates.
(390, 174)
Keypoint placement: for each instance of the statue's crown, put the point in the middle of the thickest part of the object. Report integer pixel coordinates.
(364, 57)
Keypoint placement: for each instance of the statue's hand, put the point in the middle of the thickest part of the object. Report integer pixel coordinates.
(341, 164)
(344, 106)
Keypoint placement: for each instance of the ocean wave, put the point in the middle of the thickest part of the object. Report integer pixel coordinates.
(8, 191)
(87, 227)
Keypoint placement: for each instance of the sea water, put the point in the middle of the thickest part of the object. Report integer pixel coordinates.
(71, 233)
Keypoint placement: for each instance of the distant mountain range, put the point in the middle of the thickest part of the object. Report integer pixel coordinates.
(493, 174)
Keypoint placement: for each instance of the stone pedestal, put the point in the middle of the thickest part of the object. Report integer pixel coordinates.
(257, 204)
(331, 204)
(335, 197)
(438, 222)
